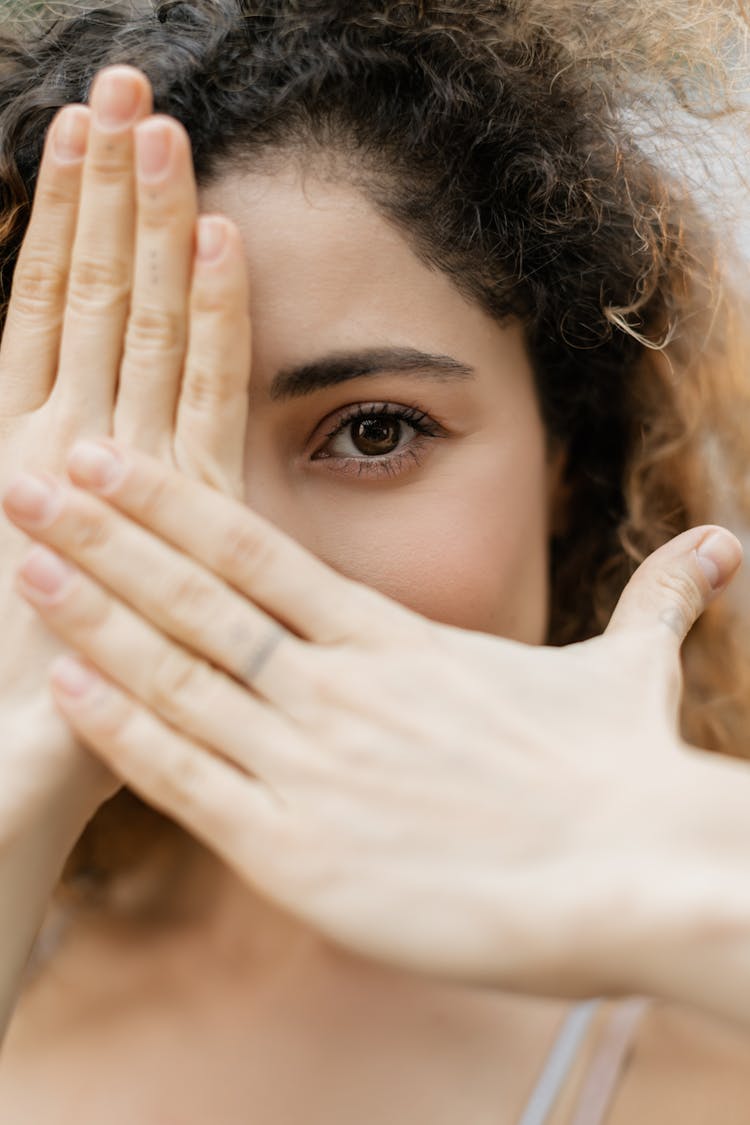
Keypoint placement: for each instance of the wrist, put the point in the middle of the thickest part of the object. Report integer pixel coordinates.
(34, 845)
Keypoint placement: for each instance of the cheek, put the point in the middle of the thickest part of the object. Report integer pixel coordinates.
(467, 548)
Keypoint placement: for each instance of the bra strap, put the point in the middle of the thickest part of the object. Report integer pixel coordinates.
(608, 1061)
(559, 1062)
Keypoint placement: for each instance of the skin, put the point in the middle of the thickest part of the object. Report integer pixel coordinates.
(462, 537)
(495, 441)
(304, 243)
(60, 378)
(333, 514)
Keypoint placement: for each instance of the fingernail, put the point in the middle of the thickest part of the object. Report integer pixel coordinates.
(95, 466)
(32, 500)
(153, 143)
(71, 135)
(71, 676)
(719, 555)
(212, 238)
(116, 99)
(45, 571)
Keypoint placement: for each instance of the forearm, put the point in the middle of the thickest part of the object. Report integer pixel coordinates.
(700, 952)
(31, 861)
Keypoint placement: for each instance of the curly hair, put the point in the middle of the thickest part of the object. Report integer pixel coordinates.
(514, 143)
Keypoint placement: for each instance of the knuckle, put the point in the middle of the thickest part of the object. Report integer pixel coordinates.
(153, 499)
(39, 285)
(157, 212)
(154, 329)
(96, 611)
(98, 284)
(180, 777)
(324, 676)
(204, 389)
(213, 300)
(55, 194)
(177, 678)
(242, 550)
(110, 164)
(89, 533)
(113, 717)
(192, 600)
(325, 694)
(683, 601)
(86, 610)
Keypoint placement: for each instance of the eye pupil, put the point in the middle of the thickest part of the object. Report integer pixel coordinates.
(377, 435)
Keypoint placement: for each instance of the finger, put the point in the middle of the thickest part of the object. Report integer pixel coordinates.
(238, 545)
(212, 413)
(181, 688)
(156, 336)
(672, 588)
(231, 813)
(102, 264)
(31, 339)
(176, 594)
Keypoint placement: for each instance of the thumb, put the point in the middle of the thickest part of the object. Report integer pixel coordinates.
(673, 586)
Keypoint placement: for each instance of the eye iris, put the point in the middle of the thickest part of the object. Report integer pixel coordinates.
(376, 435)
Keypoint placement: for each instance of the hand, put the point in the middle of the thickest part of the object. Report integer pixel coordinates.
(102, 295)
(447, 801)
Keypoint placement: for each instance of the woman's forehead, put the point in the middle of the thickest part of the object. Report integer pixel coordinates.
(327, 269)
(321, 230)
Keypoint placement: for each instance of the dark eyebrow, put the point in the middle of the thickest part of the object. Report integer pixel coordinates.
(339, 367)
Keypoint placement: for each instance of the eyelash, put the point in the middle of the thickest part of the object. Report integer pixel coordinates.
(388, 465)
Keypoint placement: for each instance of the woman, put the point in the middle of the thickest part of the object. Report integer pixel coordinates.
(398, 179)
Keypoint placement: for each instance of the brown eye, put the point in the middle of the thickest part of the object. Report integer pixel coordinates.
(378, 439)
(376, 436)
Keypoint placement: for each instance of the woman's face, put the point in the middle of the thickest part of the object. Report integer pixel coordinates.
(430, 483)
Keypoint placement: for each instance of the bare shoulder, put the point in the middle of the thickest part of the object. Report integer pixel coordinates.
(686, 1066)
